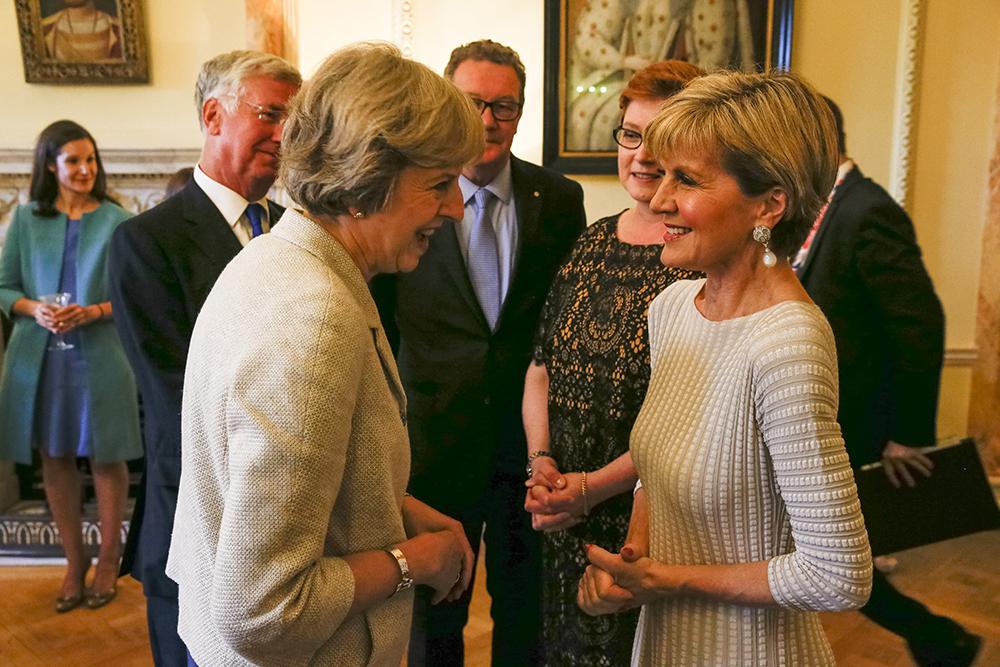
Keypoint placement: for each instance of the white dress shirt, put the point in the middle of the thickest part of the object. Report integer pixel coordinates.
(232, 206)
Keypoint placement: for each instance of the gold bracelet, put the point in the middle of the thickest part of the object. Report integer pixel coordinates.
(583, 492)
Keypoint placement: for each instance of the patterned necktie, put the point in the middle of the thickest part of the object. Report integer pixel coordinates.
(254, 213)
(484, 260)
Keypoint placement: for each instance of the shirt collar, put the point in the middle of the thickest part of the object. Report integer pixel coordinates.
(501, 186)
(231, 205)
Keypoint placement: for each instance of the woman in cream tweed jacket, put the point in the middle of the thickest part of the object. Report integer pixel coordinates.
(294, 542)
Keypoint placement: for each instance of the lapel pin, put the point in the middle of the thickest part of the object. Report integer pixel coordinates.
(536, 193)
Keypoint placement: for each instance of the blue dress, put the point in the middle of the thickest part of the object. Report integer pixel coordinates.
(63, 407)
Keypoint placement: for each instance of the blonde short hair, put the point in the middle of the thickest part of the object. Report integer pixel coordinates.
(364, 116)
(767, 130)
(222, 77)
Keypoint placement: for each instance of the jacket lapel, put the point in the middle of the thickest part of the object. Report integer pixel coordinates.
(831, 213)
(454, 264)
(207, 228)
(528, 202)
(51, 236)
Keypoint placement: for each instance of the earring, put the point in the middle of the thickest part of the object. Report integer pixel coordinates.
(762, 235)
(358, 215)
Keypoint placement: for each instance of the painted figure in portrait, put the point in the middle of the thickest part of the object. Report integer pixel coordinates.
(81, 30)
(609, 40)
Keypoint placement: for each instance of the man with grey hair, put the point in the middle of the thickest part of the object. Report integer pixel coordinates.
(466, 318)
(163, 264)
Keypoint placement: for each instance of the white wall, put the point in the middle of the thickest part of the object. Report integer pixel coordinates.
(181, 35)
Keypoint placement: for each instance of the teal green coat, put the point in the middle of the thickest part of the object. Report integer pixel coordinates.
(29, 267)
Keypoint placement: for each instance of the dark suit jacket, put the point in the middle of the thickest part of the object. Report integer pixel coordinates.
(162, 264)
(865, 272)
(463, 382)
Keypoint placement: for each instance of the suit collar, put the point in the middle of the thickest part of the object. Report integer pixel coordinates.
(451, 254)
(528, 196)
(852, 178)
(529, 193)
(230, 203)
(501, 186)
(206, 226)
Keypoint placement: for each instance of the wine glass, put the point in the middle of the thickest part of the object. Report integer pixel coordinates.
(60, 299)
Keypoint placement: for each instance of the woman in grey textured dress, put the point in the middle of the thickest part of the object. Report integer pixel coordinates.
(586, 382)
(747, 520)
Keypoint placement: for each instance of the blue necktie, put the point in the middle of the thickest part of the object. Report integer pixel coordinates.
(255, 212)
(484, 260)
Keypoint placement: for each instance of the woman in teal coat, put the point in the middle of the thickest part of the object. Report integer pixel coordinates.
(78, 401)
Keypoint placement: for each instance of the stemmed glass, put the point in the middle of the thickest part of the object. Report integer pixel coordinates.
(61, 300)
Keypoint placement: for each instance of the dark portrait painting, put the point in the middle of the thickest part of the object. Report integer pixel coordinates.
(82, 41)
(594, 46)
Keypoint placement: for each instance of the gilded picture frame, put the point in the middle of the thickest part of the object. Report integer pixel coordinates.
(590, 46)
(82, 41)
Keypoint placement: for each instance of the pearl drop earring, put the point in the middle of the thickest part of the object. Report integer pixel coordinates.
(762, 235)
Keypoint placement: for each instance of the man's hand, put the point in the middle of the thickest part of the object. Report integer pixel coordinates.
(898, 459)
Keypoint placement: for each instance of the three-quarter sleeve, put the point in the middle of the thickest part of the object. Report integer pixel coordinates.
(796, 397)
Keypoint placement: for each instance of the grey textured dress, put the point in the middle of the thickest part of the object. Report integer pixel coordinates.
(740, 456)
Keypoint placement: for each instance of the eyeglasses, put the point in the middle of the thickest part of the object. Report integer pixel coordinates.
(626, 138)
(501, 109)
(266, 115)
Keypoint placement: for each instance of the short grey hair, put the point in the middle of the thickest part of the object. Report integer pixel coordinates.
(364, 116)
(222, 77)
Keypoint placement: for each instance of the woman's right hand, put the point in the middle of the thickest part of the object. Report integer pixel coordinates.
(435, 560)
(45, 316)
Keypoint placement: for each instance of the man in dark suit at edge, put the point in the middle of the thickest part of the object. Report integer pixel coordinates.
(466, 318)
(862, 266)
(163, 264)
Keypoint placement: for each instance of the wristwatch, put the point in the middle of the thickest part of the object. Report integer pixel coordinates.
(534, 455)
(404, 569)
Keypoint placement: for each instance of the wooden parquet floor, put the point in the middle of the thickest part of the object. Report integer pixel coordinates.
(959, 578)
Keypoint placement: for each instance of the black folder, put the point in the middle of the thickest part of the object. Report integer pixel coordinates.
(955, 500)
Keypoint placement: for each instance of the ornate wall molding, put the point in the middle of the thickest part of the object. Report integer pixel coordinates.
(402, 28)
(137, 178)
(907, 98)
(961, 356)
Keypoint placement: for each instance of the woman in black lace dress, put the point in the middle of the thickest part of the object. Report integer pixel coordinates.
(587, 382)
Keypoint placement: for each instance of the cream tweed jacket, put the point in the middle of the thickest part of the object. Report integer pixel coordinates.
(294, 454)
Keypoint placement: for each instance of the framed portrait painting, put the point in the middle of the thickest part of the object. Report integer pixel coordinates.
(82, 41)
(592, 48)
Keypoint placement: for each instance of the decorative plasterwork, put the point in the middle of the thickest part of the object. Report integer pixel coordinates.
(961, 356)
(402, 29)
(907, 97)
(137, 178)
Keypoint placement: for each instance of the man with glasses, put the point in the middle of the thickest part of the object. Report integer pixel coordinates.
(163, 264)
(466, 317)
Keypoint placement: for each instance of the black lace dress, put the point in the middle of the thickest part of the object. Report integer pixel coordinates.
(594, 343)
